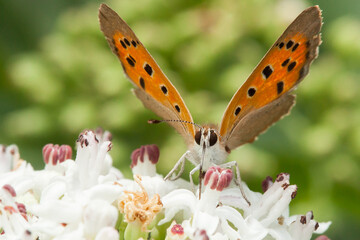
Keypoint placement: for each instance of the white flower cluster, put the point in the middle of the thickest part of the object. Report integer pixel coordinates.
(87, 198)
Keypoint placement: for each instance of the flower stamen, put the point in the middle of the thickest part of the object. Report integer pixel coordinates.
(136, 206)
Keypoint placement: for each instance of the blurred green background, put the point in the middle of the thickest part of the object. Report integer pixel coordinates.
(58, 77)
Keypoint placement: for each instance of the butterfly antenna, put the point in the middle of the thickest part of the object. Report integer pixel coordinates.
(155, 121)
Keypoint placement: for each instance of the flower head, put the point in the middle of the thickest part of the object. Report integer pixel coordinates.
(175, 232)
(75, 200)
(136, 206)
(76, 197)
(216, 214)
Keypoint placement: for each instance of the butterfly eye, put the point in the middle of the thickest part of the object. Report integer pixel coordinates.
(213, 138)
(198, 137)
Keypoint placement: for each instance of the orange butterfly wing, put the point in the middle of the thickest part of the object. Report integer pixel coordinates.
(264, 98)
(153, 88)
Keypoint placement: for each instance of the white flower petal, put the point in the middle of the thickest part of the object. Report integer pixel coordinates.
(73, 234)
(97, 215)
(46, 229)
(146, 168)
(302, 228)
(108, 233)
(157, 185)
(176, 201)
(230, 214)
(230, 232)
(323, 226)
(103, 160)
(205, 221)
(106, 192)
(233, 197)
(53, 191)
(280, 233)
(246, 229)
(59, 211)
(219, 236)
(281, 204)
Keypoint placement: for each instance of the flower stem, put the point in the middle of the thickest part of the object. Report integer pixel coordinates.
(133, 231)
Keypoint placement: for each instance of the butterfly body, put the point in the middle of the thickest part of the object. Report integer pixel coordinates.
(263, 99)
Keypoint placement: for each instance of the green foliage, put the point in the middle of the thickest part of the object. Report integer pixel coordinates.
(61, 78)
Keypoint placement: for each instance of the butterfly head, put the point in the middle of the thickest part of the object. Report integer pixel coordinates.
(208, 141)
(206, 137)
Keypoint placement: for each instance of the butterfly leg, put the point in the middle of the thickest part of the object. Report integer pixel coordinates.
(197, 168)
(181, 161)
(237, 180)
(180, 171)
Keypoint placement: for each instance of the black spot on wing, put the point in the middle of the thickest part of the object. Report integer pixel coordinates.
(133, 43)
(285, 62)
(177, 108)
(164, 89)
(291, 66)
(127, 42)
(251, 92)
(295, 47)
(142, 83)
(123, 44)
(281, 45)
(267, 71)
(133, 59)
(148, 69)
(130, 61)
(237, 111)
(289, 44)
(280, 87)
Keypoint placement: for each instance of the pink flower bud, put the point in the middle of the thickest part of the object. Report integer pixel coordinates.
(177, 229)
(218, 178)
(152, 152)
(22, 210)
(21, 207)
(10, 190)
(54, 154)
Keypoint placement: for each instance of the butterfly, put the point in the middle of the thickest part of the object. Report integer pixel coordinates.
(263, 99)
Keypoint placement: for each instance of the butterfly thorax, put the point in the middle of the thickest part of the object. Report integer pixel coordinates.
(208, 146)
